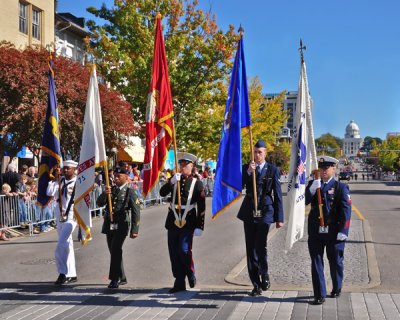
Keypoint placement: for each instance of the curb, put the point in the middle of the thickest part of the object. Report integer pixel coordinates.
(372, 265)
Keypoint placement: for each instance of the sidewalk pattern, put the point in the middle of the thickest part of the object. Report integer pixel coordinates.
(292, 270)
(47, 302)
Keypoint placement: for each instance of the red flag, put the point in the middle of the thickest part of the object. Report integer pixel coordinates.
(159, 113)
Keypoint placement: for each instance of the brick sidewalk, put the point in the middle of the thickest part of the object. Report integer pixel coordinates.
(42, 301)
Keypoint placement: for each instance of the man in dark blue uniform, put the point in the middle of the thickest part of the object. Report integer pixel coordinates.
(126, 220)
(184, 223)
(336, 207)
(257, 222)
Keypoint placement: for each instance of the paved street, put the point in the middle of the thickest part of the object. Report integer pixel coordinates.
(371, 288)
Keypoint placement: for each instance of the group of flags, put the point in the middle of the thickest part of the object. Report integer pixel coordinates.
(160, 133)
(92, 153)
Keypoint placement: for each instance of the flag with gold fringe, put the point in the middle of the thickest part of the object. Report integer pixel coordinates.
(228, 176)
(92, 155)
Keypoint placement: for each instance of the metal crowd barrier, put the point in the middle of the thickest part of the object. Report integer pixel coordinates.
(13, 208)
(152, 198)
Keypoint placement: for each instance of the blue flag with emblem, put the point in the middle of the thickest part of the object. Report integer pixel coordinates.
(228, 177)
(51, 155)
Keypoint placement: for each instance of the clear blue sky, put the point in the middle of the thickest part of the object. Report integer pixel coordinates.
(352, 56)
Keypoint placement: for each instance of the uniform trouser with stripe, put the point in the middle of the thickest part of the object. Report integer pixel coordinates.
(180, 253)
(335, 254)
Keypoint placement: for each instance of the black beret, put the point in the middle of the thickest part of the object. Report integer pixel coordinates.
(120, 170)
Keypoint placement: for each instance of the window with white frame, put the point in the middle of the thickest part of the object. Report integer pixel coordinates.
(23, 18)
(36, 24)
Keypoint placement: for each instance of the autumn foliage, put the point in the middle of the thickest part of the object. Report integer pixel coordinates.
(23, 102)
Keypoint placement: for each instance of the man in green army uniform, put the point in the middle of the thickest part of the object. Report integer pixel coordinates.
(125, 219)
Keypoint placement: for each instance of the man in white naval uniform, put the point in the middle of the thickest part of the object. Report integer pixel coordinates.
(64, 253)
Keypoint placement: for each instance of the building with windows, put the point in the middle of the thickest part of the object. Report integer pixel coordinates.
(27, 23)
(70, 34)
(352, 141)
(392, 134)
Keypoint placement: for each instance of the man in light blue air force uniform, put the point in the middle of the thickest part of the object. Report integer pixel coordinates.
(332, 235)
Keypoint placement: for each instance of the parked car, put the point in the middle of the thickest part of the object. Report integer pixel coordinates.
(345, 175)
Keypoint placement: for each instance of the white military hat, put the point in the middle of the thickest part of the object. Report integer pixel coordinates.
(186, 157)
(70, 163)
(327, 161)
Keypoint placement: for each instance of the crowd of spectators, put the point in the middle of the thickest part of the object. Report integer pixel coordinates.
(18, 208)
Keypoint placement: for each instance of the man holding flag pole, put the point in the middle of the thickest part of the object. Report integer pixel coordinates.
(259, 208)
(303, 160)
(182, 219)
(62, 190)
(329, 218)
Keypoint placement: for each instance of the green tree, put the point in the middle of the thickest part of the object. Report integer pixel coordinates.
(199, 60)
(389, 155)
(268, 117)
(280, 156)
(329, 145)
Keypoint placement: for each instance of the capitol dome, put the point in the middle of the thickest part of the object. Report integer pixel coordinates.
(352, 130)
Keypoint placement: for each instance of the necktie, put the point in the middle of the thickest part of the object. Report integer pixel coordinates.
(258, 170)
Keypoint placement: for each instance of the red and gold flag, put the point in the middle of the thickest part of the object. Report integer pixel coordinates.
(159, 113)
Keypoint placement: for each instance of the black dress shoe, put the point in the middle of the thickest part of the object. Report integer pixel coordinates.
(336, 293)
(255, 292)
(176, 289)
(122, 282)
(113, 284)
(192, 282)
(318, 301)
(71, 279)
(265, 283)
(61, 279)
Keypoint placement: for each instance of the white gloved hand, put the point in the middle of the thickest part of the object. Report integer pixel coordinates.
(175, 178)
(314, 186)
(198, 232)
(341, 237)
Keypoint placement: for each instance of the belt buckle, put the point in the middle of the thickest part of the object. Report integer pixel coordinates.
(257, 214)
(323, 229)
(113, 226)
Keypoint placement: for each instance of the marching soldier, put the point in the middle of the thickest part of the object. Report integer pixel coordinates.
(125, 219)
(336, 206)
(64, 213)
(257, 221)
(184, 223)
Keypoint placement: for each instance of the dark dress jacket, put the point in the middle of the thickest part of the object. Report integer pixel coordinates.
(194, 218)
(269, 194)
(336, 209)
(126, 210)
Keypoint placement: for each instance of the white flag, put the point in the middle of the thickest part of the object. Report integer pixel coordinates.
(93, 154)
(302, 161)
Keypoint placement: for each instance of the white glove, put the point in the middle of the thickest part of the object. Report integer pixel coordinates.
(175, 178)
(314, 186)
(341, 237)
(198, 232)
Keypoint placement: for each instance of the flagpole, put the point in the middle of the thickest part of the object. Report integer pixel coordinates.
(316, 172)
(241, 31)
(253, 173)
(105, 168)
(176, 167)
(62, 218)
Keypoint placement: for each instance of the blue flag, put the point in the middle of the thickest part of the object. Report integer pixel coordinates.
(228, 177)
(50, 148)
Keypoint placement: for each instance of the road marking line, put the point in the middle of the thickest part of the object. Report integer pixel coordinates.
(358, 213)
